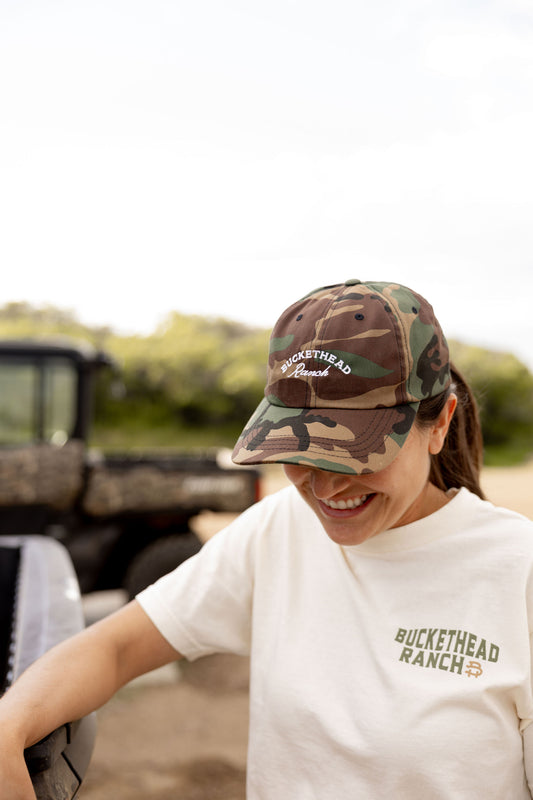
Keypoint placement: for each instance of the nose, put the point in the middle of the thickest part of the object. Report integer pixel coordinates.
(326, 485)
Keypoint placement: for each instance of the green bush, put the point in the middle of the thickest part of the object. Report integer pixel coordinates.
(192, 374)
(503, 387)
(198, 379)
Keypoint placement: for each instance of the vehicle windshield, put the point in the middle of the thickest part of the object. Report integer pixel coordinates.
(37, 400)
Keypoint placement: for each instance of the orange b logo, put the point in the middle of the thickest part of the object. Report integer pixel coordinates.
(473, 669)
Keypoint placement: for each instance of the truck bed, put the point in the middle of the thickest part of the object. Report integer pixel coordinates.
(122, 484)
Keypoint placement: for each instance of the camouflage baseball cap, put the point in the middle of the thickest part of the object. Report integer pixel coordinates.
(348, 367)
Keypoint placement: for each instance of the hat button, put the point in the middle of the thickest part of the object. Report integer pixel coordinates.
(352, 282)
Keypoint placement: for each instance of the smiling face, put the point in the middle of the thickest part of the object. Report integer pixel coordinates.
(353, 508)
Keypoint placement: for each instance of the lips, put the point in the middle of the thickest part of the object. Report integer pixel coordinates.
(347, 507)
(351, 502)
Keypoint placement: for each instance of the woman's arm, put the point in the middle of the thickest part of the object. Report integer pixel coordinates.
(71, 680)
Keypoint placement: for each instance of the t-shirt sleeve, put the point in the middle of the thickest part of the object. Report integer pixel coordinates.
(526, 722)
(204, 606)
(528, 756)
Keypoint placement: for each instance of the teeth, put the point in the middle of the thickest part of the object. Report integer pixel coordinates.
(344, 504)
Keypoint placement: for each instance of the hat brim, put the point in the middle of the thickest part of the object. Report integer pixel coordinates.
(338, 440)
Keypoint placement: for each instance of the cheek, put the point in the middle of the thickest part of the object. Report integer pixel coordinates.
(404, 478)
(291, 472)
(298, 476)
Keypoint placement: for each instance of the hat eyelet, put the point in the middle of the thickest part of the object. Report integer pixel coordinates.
(359, 316)
(299, 317)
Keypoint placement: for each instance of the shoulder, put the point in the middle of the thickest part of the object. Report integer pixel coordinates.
(285, 501)
(483, 518)
(274, 518)
(486, 511)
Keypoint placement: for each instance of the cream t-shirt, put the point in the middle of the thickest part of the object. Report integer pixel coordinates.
(398, 668)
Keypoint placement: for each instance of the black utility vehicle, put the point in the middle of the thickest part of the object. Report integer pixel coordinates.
(124, 519)
(71, 519)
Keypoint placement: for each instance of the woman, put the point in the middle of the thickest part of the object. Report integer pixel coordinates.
(385, 605)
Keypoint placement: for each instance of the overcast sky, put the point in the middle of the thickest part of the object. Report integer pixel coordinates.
(224, 158)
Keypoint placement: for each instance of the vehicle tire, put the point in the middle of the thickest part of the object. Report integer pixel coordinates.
(157, 559)
(41, 607)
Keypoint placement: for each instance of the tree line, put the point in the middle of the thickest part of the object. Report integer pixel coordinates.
(198, 379)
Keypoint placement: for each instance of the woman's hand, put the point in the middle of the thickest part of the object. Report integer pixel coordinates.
(71, 680)
(15, 781)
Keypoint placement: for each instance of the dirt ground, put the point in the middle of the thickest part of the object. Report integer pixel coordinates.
(182, 732)
(184, 738)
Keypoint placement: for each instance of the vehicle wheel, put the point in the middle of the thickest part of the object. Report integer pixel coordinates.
(157, 559)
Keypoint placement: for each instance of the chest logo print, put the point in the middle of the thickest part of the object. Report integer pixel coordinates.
(448, 649)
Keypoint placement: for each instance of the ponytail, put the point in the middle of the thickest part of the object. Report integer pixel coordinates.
(461, 458)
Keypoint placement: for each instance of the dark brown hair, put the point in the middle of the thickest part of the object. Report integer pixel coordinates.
(461, 458)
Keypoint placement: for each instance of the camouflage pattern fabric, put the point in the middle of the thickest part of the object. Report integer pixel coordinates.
(348, 367)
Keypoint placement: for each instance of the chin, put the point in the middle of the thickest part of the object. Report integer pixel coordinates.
(346, 535)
